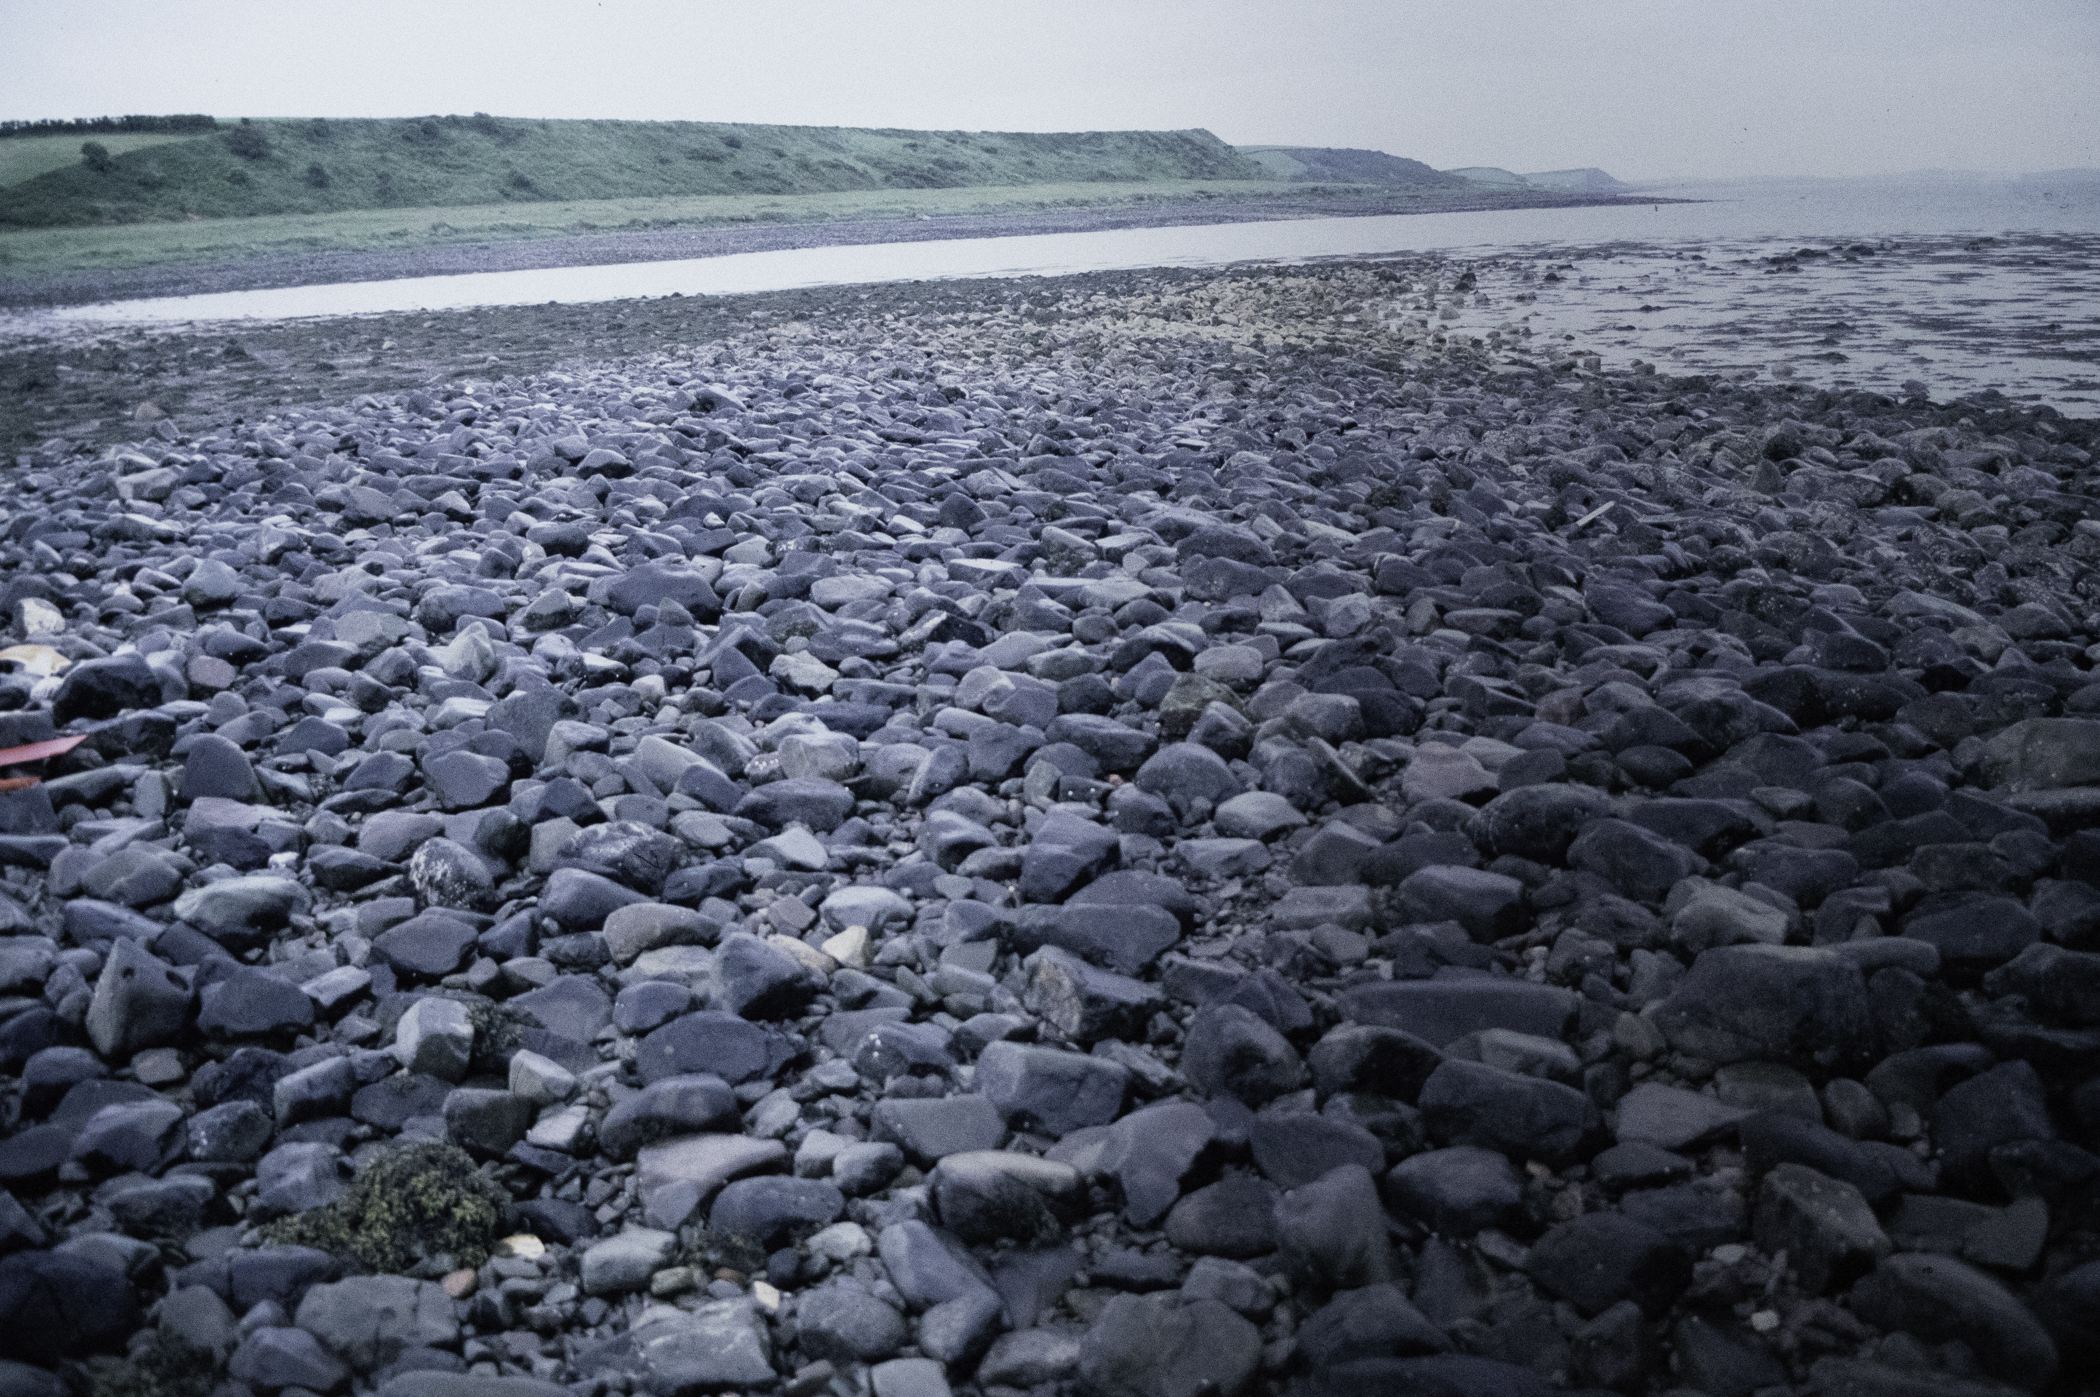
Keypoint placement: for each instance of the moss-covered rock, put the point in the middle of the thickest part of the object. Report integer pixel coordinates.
(412, 1204)
(166, 1367)
(499, 1031)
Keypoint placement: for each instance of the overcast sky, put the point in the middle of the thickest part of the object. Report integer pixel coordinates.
(1645, 90)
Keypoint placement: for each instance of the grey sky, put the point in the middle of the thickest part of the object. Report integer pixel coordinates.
(1667, 87)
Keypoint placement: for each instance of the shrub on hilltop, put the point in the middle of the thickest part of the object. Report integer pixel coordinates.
(247, 141)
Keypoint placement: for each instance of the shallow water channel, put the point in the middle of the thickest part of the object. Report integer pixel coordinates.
(1961, 286)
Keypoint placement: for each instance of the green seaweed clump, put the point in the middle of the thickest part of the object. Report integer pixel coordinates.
(712, 1250)
(166, 1367)
(415, 1203)
(499, 1031)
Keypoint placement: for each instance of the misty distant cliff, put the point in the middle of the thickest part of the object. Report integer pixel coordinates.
(1589, 180)
(1341, 166)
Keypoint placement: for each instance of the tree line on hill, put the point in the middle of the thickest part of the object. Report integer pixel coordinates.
(180, 124)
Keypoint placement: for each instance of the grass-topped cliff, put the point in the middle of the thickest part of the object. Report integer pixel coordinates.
(1333, 165)
(317, 166)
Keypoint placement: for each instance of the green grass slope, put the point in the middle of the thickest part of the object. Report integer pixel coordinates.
(315, 166)
(26, 157)
(33, 252)
(1333, 165)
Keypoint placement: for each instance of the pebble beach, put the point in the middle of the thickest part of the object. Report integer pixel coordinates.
(1268, 829)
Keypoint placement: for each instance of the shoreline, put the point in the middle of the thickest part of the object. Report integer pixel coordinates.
(86, 382)
(44, 290)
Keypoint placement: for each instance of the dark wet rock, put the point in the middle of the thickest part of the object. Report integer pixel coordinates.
(1231, 1051)
(930, 1130)
(232, 1132)
(1641, 865)
(844, 1322)
(252, 1003)
(237, 912)
(1935, 1297)
(577, 899)
(570, 1006)
(1234, 1217)
(1084, 1003)
(1125, 939)
(1877, 1170)
(1383, 1061)
(1599, 1259)
(1150, 1152)
(653, 584)
(1159, 1345)
(133, 1137)
(1331, 1232)
(462, 780)
(1471, 1103)
(1373, 1321)
(216, 767)
(2067, 1306)
(625, 852)
(2002, 1106)
(867, 1168)
(103, 688)
(1540, 822)
(369, 1320)
(430, 945)
(761, 981)
(139, 1002)
(712, 1042)
(486, 1122)
(953, 1334)
(1189, 778)
(1457, 1191)
(1488, 905)
(808, 800)
(1977, 936)
(55, 1304)
(1439, 1011)
(1063, 853)
(1294, 1150)
(1773, 1004)
(928, 1269)
(1052, 1092)
(768, 1212)
(983, 1196)
(298, 1177)
(313, 1093)
(668, 1106)
(1825, 1226)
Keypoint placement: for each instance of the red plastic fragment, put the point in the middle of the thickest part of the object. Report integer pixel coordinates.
(37, 751)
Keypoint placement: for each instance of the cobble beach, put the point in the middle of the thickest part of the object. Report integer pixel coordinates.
(1282, 827)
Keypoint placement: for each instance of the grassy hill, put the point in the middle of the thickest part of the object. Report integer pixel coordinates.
(30, 253)
(316, 166)
(26, 157)
(1331, 165)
